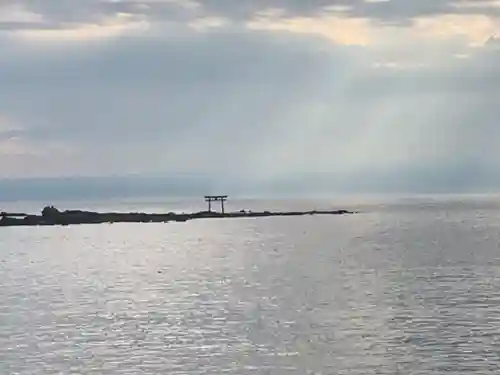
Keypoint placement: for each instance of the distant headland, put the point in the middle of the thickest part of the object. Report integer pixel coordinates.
(52, 216)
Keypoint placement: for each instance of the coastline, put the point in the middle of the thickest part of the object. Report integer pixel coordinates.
(51, 216)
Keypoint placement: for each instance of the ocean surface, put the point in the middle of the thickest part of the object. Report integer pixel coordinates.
(406, 286)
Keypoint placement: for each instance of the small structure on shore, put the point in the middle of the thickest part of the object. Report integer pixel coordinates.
(215, 198)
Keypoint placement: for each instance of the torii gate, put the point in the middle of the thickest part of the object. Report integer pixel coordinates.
(215, 198)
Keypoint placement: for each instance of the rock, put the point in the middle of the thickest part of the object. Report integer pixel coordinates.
(50, 212)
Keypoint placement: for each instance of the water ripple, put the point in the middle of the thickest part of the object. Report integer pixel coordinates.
(368, 294)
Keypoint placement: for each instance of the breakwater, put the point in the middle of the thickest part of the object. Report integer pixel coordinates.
(52, 216)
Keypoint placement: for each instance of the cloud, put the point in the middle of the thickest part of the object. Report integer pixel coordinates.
(16, 14)
(255, 92)
(340, 30)
(109, 27)
(383, 24)
(202, 24)
(8, 126)
(278, 106)
(161, 102)
(402, 12)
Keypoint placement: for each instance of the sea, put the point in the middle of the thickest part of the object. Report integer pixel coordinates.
(407, 285)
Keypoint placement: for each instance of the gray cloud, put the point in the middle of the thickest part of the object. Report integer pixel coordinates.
(168, 104)
(259, 108)
(57, 13)
(393, 10)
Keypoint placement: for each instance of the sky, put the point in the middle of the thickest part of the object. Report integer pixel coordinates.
(337, 95)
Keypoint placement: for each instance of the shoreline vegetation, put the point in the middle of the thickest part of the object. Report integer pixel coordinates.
(52, 216)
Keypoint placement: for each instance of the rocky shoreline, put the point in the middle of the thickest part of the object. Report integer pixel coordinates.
(52, 216)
